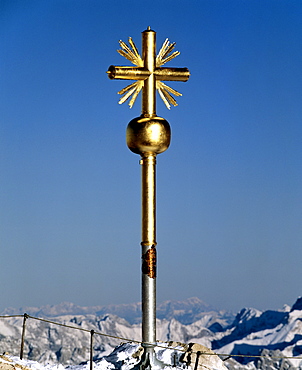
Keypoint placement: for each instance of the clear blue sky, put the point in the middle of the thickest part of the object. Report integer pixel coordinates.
(229, 187)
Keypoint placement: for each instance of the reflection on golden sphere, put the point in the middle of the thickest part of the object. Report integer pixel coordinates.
(148, 135)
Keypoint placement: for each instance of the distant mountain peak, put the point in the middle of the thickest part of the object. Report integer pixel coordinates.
(297, 305)
(246, 314)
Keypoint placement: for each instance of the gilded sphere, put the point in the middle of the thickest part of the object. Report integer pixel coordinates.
(148, 135)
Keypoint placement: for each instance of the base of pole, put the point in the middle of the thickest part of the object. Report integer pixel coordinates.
(149, 360)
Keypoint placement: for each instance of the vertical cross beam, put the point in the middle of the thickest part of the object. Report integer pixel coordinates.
(149, 60)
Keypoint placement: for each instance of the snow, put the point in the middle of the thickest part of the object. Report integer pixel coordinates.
(127, 356)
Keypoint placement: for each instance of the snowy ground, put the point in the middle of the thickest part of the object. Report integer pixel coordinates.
(126, 357)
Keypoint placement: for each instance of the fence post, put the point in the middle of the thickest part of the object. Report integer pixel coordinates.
(197, 360)
(25, 316)
(91, 349)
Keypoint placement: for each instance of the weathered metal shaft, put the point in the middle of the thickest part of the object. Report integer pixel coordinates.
(148, 243)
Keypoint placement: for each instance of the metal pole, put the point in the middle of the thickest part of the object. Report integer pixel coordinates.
(148, 243)
(148, 136)
(25, 316)
(91, 349)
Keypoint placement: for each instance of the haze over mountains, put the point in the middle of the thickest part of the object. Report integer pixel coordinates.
(274, 334)
(186, 312)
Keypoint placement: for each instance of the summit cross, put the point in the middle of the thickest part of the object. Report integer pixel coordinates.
(148, 73)
(148, 135)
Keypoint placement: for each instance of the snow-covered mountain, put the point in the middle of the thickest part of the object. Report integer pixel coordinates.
(272, 334)
(253, 332)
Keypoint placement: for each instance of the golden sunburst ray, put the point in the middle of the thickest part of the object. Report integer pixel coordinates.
(165, 92)
(161, 51)
(131, 53)
(134, 48)
(163, 54)
(132, 89)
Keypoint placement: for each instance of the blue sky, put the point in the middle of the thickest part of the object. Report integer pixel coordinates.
(229, 189)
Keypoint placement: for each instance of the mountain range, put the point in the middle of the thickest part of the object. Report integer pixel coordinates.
(186, 312)
(271, 335)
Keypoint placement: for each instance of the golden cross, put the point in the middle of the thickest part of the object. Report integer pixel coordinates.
(148, 73)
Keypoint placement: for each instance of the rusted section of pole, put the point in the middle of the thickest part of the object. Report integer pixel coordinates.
(25, 316)
(149, 262)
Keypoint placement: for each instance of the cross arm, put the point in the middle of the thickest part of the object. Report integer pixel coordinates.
(172, 74)
(127, 73)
